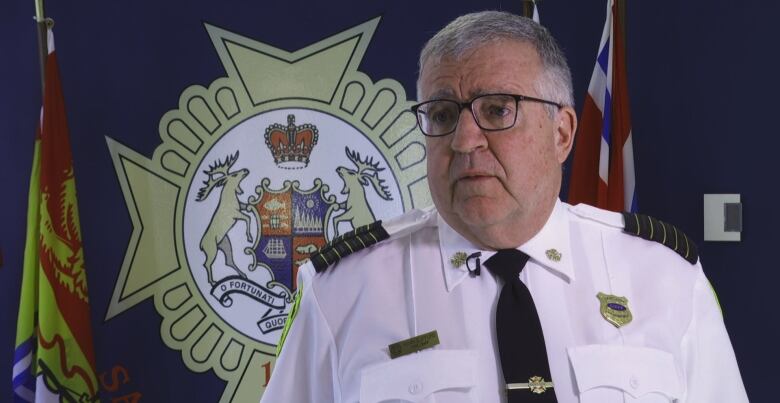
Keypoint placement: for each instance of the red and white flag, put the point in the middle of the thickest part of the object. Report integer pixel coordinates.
(603, 167)
(535, 14)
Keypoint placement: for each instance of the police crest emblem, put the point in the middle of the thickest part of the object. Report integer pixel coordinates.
(615, 309)
(254, 173)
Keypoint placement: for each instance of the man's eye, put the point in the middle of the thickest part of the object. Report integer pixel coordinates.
(440, 116)
(498, 111)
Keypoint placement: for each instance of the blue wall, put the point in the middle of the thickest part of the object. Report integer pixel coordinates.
(702, 87)
(703, 82)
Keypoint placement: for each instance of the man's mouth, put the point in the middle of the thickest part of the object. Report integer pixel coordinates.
(473, 176)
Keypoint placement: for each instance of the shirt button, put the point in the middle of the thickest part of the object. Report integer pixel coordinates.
(634, 382)
(415, 388)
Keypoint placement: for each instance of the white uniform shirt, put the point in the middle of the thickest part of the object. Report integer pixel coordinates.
(675, 349)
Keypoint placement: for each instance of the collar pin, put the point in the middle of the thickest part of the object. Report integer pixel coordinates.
(553, 255)
(458, 259)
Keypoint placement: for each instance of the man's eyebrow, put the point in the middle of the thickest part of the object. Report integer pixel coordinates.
(450, 94)
(443, 94)
(480, 91)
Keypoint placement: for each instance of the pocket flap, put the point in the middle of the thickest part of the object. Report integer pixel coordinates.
(635, 370)
(416, 376)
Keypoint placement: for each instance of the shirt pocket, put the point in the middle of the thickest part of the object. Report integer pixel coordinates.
(413, 378)
(606, 374)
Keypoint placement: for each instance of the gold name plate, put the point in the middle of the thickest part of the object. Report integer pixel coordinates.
(413, 345)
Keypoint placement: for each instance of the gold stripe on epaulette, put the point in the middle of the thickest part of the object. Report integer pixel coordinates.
(354, 241)
(652, 231)
(648, 232)
(663, 225)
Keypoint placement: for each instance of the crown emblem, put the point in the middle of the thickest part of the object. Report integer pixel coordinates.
(291, 145)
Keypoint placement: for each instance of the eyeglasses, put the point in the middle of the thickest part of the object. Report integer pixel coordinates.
(492, 112)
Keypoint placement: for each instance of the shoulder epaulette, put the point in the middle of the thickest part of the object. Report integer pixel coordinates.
(667, 234)
(348, 243)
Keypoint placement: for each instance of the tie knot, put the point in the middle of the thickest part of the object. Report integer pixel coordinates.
(507, 264)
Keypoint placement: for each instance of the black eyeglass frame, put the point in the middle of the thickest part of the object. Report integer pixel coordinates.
(461, 105)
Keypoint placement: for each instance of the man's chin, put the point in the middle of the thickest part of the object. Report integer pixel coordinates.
(480, 213)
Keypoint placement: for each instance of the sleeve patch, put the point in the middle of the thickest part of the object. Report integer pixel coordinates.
(290, 317)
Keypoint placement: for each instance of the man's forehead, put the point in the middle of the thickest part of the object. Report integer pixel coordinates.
(495, 67)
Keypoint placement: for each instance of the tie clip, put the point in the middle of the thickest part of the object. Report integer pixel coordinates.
(536, 384)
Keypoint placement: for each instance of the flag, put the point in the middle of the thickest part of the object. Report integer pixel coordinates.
(603, 167)
(535, 15)
(54, 359)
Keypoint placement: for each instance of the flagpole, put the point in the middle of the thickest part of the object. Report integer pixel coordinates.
(622, 17)
(528, 8)
(43, 49)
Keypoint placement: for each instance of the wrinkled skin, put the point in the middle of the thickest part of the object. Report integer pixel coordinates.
(497, 189)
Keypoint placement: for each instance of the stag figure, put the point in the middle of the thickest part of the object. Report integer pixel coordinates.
(228, 212)
(357, 211)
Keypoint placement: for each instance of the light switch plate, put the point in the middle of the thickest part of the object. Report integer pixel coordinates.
(715, 217)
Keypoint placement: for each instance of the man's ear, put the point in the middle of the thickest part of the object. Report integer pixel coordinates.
(566, 120)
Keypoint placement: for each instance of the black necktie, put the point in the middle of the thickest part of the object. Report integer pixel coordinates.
(520, 337)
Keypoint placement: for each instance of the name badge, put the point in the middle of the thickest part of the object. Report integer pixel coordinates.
(413, 345)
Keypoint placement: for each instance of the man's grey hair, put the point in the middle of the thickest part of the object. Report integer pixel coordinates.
(471, 31)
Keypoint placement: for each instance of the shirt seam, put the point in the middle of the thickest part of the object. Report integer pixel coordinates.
(332, 342)
(610, 279)
(412, 284)
(691, 328)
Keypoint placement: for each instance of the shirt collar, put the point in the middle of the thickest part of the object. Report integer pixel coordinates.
(550, 248)
(450, 244)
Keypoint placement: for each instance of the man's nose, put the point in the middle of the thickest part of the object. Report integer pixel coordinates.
(468, 136)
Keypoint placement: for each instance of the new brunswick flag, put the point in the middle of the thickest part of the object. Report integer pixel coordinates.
(54, 360)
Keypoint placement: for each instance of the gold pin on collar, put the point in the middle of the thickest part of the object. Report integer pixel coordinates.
(458, 259)
(553, 255)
